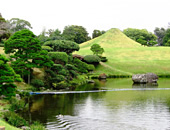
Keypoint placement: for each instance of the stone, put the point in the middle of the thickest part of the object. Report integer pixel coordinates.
(102, 76)
(145, 78)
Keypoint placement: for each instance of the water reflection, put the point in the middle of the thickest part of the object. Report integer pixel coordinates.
(104, 110)
(148, 85)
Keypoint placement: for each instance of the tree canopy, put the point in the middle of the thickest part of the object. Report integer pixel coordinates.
(4, 32)
(96, 49)
(26, 52)
(166, 38)
(7, 77)
(160, 33)
(75, 33)
(62, 46)
(17, 24)
(141, 35)
(97, 33)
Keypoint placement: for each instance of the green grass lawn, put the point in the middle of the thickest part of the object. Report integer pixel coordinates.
(127, 57)
(7, 126)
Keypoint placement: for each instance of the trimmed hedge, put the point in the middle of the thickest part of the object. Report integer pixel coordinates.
(47, 48)
(92, 59)
(58, 57)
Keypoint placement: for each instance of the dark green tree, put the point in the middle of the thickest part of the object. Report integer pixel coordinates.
(17, 24)
(166, 38)
(140, 35)
(26, 53)
(160, 33)
(75, 33)
(62, 46)
(97, 33)
(4, 32)
(97, 50)
(7, 78)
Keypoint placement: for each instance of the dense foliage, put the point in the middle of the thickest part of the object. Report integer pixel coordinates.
(4, 32)
(160, 33)
(166, 38)
(26, 53)
(58, 57)
(97, 33)
(97, 49)
(92, 59)
(7, 78)
(17, 24)
(141, 35)
(75, 33)
(62, 46)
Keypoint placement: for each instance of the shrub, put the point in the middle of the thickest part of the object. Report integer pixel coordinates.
(62, 46)
(37, 83)
(70, 67)
(16, 104)
(103, 59)
(82, 66)
(47, 48)
(91, 67)
(60, 85)
(58, 57)
(92, 59)
(57, 67)
(37, 126)
(14, 119)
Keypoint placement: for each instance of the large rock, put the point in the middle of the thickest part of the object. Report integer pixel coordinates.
(102, 76)
(145, 78)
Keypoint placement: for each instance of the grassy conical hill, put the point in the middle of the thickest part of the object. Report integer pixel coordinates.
(127, 57)
(112, 38)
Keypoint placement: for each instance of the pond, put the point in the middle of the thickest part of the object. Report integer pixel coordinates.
(121, 106)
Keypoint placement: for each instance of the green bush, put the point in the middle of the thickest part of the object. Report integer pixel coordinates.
(70, 67)
(58, 57)
(37, 83)
(57, 67)
(37, 126)
(82, 66)
(60, 85)
(91, 67)
(92, 59)
(103, 59)
(47, 48)
(16, 104)
(62, 46)
(14, 119)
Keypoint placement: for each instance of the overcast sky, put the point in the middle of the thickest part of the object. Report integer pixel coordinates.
(91, 14)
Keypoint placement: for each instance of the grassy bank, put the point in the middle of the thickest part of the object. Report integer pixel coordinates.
(7, 126)
(127, 57)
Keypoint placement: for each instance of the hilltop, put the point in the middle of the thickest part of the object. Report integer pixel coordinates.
(127, 57)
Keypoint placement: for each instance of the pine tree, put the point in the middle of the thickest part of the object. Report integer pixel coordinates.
(7, 78)
(26, 53)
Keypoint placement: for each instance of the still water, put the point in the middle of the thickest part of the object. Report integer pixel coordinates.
(121, 106)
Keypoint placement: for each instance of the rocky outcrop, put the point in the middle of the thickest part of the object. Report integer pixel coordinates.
(145, 78)
(102, 76)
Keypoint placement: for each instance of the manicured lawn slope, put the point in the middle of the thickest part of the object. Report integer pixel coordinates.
(127, 57)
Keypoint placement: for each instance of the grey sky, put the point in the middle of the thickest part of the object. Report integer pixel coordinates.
(91, 14)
